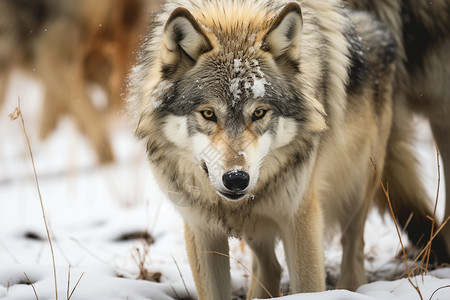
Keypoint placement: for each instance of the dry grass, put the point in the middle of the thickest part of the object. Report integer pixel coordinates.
(17, 114)
(140, 257)
(69, 295)
(247, 269)
(423, 257)
(32, 286)
(182, 279)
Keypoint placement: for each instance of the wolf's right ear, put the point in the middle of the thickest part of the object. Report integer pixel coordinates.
(183, 41)
(284, 34)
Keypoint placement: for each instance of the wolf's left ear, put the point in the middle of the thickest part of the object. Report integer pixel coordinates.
(283, 37)
(183, 40)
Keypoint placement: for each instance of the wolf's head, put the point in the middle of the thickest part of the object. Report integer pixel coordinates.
(232, 94)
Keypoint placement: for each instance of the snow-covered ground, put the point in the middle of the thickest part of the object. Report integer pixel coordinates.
(97, 214)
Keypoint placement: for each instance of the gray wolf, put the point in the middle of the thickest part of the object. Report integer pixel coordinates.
(421, 85)
(69, 45)
(260, 119)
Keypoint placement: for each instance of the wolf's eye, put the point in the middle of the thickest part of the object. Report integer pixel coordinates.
(258, 114)
(209, 115)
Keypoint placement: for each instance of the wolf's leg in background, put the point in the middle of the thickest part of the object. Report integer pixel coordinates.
(4, 79)
(52, 109)
(441, 135)
(266, 268)
(352, 265)
(407, 193)
(302, 237)
(208, 256)
(93, 124)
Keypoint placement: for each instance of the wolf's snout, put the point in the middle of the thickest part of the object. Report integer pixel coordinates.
(236, 181)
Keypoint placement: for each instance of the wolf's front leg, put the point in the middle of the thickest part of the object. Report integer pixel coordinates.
(208, 256)
(303, 245)
(266, 269)
(352, 264)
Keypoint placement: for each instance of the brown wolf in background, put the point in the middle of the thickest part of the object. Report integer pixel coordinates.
(68, 44)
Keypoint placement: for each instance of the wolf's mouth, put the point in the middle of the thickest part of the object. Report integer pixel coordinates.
(229, 195)
(232, 196)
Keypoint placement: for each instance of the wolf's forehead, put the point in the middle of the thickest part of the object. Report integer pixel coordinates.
(240, 78)
(247, 80)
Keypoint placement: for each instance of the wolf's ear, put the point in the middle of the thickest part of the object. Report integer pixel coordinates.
(283, 37)
(183, 40)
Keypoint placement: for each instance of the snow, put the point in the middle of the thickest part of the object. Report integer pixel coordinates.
(258, 87)
(248, 73)
(91, 210)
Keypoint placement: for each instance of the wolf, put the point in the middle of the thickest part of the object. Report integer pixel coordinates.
(260, 120)
(422, 86)
(69, 45)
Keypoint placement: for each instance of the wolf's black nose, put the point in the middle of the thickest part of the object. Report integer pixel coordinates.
(236, 181)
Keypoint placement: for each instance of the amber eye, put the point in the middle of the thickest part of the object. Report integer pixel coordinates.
(209, 115)
(259, 114)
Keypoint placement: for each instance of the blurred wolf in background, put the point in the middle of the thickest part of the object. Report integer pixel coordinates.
(69, 44)
(260, 119)
(422, 84)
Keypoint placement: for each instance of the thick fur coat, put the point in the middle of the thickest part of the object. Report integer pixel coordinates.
(261, 119)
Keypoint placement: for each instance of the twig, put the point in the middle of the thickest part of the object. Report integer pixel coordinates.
(182, 279)
(68, 284)
(431, 239)
(416, 287)
(174, 291)
(89, 252)
(17, 113)
(386, 193)
(32, 286)
(75, 287)
(9, 252)
(247, 269)
(442, 287)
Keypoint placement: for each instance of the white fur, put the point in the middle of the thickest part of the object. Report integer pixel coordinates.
(255, 157)
(205, 151)
(286, 131)
(175, 129)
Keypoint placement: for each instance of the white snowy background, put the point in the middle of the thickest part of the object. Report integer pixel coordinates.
(95, 214)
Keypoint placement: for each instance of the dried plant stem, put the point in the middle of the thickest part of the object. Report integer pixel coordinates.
(68, 284)
(438, 289)
(182, 279)
(247, 269)
(17, 113)
(89, 252)
(416, 287)
(32, 286)
(431, 239)
(75, 287)
(386, 193)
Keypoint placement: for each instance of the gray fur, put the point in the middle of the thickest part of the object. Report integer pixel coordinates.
(328, 82)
